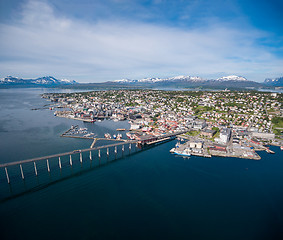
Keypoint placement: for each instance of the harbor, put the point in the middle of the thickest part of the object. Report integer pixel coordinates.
(191, 191)
(206, 148)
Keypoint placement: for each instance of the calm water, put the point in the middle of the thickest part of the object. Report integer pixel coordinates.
(149, 194)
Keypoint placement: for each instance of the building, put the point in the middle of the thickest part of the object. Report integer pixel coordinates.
(263, 135)
(207, 133)
(224, 137)
(199, 124)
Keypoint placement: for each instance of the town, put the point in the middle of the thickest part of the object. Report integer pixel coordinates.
(220, 123)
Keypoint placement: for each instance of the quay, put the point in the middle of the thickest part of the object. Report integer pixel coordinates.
(81, 137)
(206, 148)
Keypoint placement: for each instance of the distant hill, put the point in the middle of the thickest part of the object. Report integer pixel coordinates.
(233, 81)
(275, 82)
(42, 81)
(229, 82)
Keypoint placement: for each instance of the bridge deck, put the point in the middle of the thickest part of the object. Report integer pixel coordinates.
(165, 136)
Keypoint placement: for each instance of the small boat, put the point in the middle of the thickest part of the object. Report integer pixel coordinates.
(114, 136)
(281, 147)
(107, 135)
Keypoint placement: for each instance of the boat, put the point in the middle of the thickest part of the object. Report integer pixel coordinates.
(121, 129)
(186, 152)
(119, 136)
(114, 136)
(281, 147)
(107, 135)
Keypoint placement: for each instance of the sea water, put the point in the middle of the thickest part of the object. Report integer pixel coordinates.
(149, 194)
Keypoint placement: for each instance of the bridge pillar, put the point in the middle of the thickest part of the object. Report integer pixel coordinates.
(123, 148)
(8, 180)
(47, 162)
(90, 157)
(81, 158)
(130, 146)
(35, 170)
(99, 153)
(71, 162)
(23, 177)
(60, 163)
(107, 151)
(115, 150)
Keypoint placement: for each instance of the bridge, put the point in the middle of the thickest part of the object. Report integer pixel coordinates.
(144, 140)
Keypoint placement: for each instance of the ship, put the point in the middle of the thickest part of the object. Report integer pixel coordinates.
(186, 152)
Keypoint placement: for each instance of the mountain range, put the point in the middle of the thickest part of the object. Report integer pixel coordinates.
(230, 82)
(277, 82)
(181, 79)
(42, 81)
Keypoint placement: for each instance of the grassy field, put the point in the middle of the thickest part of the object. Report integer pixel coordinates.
(277, 123)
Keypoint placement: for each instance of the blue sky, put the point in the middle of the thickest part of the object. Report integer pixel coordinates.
(101, 40)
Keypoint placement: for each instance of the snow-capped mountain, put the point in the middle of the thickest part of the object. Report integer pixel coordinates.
(158, 80)
(181, 79)
(48, 80)
(274, 81)
(231, 81)
(232, 78)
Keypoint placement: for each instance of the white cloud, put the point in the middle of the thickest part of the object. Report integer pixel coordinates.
(41, 42)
